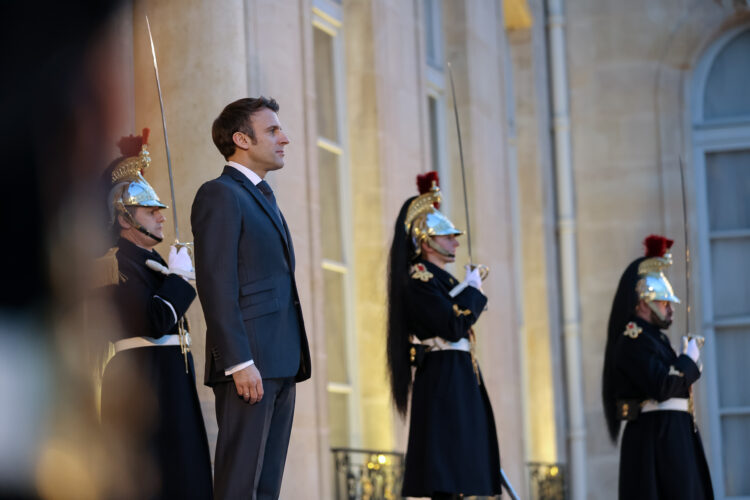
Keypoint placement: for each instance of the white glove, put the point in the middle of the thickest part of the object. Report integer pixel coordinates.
(690, 348)
(180, 263)
(472, 277)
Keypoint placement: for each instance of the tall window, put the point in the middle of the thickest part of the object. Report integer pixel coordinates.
(335, 207)
(721, 133)
(432, 18)
(433, 29)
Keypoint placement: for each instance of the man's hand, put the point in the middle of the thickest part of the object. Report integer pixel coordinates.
(180, 262)
(249, 385)
(473, 277)
(690, 348)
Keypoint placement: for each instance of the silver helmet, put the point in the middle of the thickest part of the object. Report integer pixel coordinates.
(423, 219)
(129, 187)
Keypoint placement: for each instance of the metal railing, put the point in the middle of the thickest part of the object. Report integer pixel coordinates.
(547, 481)
(367, 474)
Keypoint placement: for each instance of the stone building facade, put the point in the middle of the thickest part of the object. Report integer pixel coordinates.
(575, 116)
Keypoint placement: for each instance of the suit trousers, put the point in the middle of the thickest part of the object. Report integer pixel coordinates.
(253, 440)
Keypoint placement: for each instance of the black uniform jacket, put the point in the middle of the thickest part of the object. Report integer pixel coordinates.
(150, 406)
(452, 439)
(149, 302)
(661, 453)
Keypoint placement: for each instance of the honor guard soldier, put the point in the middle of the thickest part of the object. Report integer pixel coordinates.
(648, 385)
(149, 400)
(452, 448)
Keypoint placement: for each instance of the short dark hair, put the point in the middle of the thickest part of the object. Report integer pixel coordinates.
(236, 117)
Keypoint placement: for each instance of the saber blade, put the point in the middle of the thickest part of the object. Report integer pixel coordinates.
(687, 247)
(164, 126)
(508, 487)
(463, 168)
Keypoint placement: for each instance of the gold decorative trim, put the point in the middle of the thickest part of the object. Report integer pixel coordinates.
(461, 312)
(632, 330)
(130, 169)
(420, 272)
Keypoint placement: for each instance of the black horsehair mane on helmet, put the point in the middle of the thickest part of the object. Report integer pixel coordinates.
(403, 253)
(623, 307)
(399, 262)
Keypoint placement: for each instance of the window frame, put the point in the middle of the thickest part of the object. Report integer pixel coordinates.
(713, 136)
(327, 16)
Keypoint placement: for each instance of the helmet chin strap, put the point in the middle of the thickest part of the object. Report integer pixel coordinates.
(442, 251)
(656, 310)
(660, 320)
(131, 220)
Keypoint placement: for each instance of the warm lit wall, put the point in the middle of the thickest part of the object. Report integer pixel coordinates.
(545, 389)
(384, 138)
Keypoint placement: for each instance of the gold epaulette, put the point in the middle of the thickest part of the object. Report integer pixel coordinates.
(632, 330)
(420, 272)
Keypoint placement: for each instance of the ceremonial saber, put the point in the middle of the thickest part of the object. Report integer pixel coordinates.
(483, 270)
(507, 485)
(687, 247)
(166, 139)
(463, 168)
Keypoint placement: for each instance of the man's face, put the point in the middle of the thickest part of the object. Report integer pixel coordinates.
(665, 311)
(449, 243)
(266, 153)
(152, 221)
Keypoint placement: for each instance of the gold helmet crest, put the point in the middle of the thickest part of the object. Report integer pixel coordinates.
(129, 187)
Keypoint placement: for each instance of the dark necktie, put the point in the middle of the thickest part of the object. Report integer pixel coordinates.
(268, 193)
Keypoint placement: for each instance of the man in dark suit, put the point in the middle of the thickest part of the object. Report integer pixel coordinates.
(256, 345)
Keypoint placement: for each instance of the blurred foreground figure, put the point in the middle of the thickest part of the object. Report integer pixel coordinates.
(59, 105)
(647, 384)
(150, 407)
(453, 447)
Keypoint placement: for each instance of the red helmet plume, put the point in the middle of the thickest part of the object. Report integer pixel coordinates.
(131, 145)
(424, 181)
(657, 246)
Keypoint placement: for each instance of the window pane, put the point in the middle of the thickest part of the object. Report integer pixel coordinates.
(726, 94)
(334, 321)
(434, 140)
(728, 182)
(325, 85)
(735, 438)
(732, 348)
(330, 206)
(731, 277)
(433, 32)
(338, 419)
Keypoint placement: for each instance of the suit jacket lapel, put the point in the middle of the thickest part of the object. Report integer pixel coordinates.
(261, 199)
